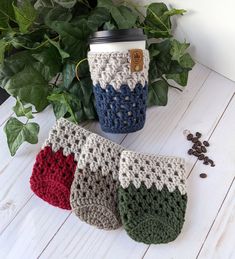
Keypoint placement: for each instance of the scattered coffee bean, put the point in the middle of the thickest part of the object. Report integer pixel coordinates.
(211, 162)
(201, 157)
(195, 153)
(198, 149)
(199, 143)
(198, 134)
(204, 150)
(190, 151)
(203, 175)
(206, 143)
(190, 136)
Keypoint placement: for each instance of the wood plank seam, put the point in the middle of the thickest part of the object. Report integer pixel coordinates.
(17, 213)
(3, 122)
(54, 235)
(220, 208)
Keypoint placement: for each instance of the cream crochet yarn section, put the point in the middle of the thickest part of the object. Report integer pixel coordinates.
(140, 168)
(100, 154)
(68, 136)
(114, 68)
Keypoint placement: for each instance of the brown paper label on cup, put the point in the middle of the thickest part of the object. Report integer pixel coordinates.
(137, 61)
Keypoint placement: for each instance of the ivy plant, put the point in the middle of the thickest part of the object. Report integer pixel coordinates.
(42, 41)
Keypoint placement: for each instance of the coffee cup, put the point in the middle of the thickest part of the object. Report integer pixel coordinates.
(119, 63)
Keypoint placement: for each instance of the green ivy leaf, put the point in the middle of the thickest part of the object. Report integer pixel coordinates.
(163, 59)
(153, 71)
(12, 65)
(109, 26)
(3, 45)
(186, 61)
(157, 93)
(56, 44)
(6, 13)
(57, 14)
(181, 78)
(174, 11)
(97, 18)
(49, 61)
(59, 109)
(63, 103)
(20, 110)
(84, 105)
(25, 15)
(43, 3)
(68, 74)
(178, 49)
(18, 132)
(66, 3)
(30, 86)
(122, 15)
(178, 52)
(157, 23)
(74, 37)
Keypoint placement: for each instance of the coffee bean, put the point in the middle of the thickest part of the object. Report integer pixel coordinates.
(206, 158)
(198, 134)
(195, 153)
(194, 146)
(194, 140)
(211, 162)
(199, 143)
(190, 151)
(204, 150)
(201, 157)
(205, 162)
(203, 175)
(198, 149)
(190, 136)
(206, 143)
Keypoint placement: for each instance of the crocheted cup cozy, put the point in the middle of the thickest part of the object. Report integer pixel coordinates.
(94, 190)
(152, 196)
(121, 95)
(53, 171)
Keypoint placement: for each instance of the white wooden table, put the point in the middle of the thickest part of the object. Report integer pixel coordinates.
(30, 228)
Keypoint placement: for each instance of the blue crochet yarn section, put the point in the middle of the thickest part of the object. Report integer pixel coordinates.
(121, 111)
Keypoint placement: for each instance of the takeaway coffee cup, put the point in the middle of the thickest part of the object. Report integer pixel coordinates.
(119, 63)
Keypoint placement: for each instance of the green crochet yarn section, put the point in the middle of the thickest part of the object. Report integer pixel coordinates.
(152, 216)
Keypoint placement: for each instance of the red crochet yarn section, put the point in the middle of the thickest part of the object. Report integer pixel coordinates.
(52, 177)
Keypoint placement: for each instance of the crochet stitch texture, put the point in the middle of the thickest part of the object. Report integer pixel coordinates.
(53, 171)
(152, 196)
(121, 95)
(94, 189)
(114, 68)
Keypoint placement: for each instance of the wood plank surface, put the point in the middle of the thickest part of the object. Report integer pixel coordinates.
(30, 228)
(220, 242)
